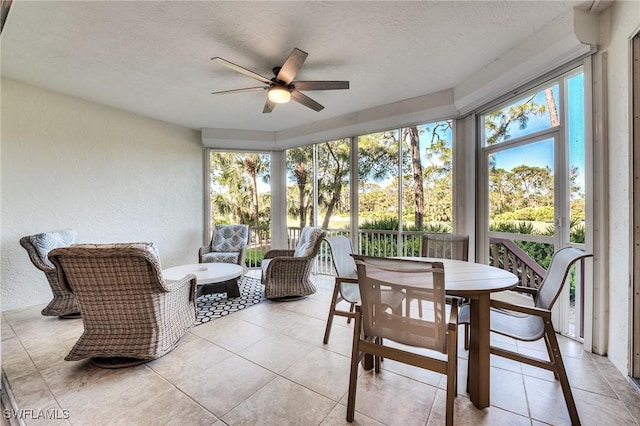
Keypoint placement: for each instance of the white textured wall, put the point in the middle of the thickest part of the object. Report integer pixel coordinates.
(110, 175)
(624, 20)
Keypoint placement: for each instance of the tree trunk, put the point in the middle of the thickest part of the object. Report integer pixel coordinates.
(301, 179)
(332, 204)
(414, 140)
(336, 186)
(553, 109)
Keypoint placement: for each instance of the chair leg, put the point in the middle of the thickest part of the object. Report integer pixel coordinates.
(452, 374)
(452, 383)
(376, 358)
(550, 352)
(332, 309)
(467, 388)
(466, 337)
(556, 359)
(351, 307)
(353, 375)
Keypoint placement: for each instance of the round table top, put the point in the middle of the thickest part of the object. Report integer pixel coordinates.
(462, 278)
(206, 273)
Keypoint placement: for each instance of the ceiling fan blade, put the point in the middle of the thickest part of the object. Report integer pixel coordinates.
(247, 89)
(320, 85)
(269, 106)
(292, 65)
(306, 101)
(241, 70)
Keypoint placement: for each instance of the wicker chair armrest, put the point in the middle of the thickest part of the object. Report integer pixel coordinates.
(187, 280)
(279, 253)
(33, 255)
(530, 310)
(287, 266)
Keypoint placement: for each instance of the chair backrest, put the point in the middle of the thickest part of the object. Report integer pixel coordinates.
(376, 274)
(115, 273)
(341, 250)
(38, 246)
(229, 238)
(445, 246)
(557, 274)
(309, 242)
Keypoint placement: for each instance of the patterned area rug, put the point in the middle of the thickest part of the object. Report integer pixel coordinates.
(214, 306)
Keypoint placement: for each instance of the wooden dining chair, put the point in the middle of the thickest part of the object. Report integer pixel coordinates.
(375, 325)
(528, 323)
(441, 246)
(346, 283)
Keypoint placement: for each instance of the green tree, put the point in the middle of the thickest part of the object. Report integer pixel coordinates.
(413, 135)
(234, 186)
(438, 173)
(300, 170)
(377, 156)
(255, 165)
(333, 172)
(497, 124)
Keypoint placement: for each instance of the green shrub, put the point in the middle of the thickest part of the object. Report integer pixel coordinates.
(388, 223)
(512, 227)
(577, 232)
(534, 214)
(253, 257)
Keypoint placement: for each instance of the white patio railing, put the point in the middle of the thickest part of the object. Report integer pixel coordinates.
(372, 242)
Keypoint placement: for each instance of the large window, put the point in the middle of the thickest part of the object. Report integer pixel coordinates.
(300, 189)
(533, 157)
(403, 187)
(333, 177)
(239, 192)
(405, 178)
(427, 177)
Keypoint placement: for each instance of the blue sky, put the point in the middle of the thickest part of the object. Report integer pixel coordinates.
(540, 154)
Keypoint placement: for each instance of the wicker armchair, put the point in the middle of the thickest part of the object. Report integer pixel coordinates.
(131, 315)
(228, 245)
(38, 246)
(285, 273)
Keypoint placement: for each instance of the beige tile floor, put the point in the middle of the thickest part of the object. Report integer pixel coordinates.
(267, 365)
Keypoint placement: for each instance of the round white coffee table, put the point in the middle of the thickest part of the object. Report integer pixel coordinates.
(210, 277)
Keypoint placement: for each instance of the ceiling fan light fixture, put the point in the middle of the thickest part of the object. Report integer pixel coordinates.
(279, 95)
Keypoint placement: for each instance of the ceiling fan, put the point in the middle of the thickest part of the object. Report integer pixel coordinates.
(282, 88)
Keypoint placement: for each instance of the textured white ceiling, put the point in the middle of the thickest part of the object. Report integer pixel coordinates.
(153, 58)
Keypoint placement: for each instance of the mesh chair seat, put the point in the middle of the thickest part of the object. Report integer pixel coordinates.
(509, 323)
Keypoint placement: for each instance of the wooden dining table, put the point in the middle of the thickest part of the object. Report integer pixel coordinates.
(476, 282)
